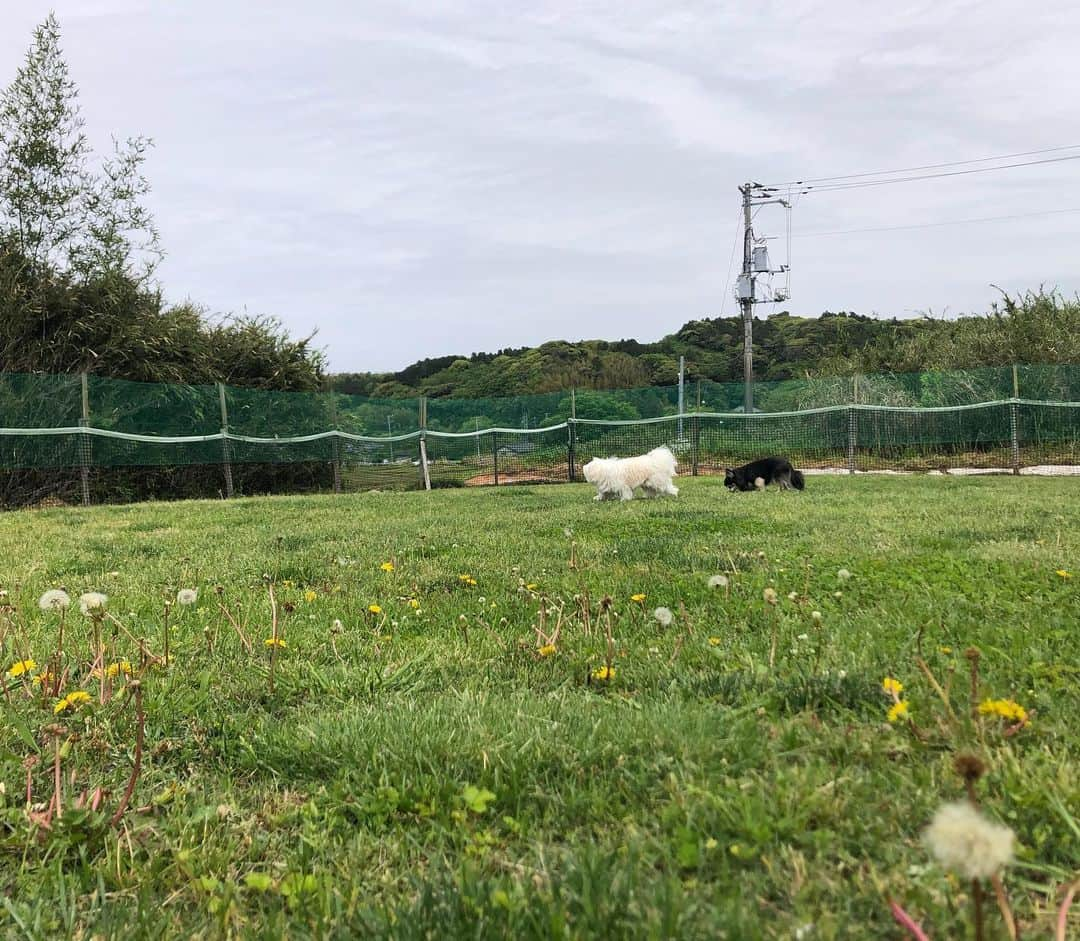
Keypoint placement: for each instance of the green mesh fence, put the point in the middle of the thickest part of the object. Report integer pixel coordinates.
(208, 439)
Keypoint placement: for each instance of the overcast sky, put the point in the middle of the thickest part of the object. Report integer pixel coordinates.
(421, 179)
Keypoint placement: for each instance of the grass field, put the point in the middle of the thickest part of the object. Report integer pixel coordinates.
(426, 770)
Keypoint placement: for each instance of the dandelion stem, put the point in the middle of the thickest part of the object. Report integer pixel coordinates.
(236, 627)
(936, 686)
(610, 650)
(165, 631)
(1007, 915)
(775, 638)
(1063, 912)
(58, 796)
(140, 730)
(977, 902)
(907, 922)
(273, 635)
(973, 654)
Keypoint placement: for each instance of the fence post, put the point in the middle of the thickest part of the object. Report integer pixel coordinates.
(225, 441)
(852, 434)
(423, 442)
(1014, 432)
(335, 459)
(695, 437)
(495, 455)
(571, 437)
(84, 441)
(1016, 382)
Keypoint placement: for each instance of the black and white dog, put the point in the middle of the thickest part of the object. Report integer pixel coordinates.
(759, 474)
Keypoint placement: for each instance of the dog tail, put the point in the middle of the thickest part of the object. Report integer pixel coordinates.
(797, 480)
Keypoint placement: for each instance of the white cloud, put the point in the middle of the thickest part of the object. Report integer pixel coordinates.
(417, 181)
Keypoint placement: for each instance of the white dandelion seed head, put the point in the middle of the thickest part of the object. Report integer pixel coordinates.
(843, 575)
(966, 842)
(815, 616)
(337, 627)
(55, 599)
(186, 596)
(568, 533)
(663, 616)
(718, 581)
(770, 596)
(92, 602)
(793, 596)
(838, 594)
(803, 637)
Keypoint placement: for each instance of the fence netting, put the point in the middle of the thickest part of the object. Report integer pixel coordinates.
(105, 439)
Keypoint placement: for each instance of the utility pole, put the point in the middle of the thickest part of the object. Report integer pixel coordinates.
(746, 301)
(755, 262)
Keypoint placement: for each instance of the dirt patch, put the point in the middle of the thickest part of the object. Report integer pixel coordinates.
(487, 480)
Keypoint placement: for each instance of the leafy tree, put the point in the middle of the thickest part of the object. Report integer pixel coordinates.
(43, 152)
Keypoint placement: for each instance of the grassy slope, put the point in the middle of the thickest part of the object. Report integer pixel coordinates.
(699, 793)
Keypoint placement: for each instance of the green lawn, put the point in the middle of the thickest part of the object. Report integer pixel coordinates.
(425, 772)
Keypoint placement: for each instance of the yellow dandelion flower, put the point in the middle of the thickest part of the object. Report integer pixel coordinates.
(639, 597)
(45, 676)
(387, 566)
(604, 674)
(532, 586)
(275, 642)
(71, 701)
(466, 579)
(115, 669)
(414, 603)
(891, 686)
(898, 711)
(374, 609)
(1063, 573)
(288, 583)
(547, 650)
(945, 650)
(714, 641)
(310, 595)
(1005, 708)
(19, 667)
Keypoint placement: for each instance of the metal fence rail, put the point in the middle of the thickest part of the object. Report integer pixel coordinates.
(1007, 435)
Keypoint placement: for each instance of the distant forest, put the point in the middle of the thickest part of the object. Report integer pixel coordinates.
(1037, 327)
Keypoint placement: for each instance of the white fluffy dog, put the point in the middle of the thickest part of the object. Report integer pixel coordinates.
(619, 476)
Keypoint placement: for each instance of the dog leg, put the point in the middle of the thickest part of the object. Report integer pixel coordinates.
(626, 493)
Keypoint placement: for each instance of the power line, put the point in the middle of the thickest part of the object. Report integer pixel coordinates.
(931, 225)
(933, 176)
(928, 166)
(731, 261)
